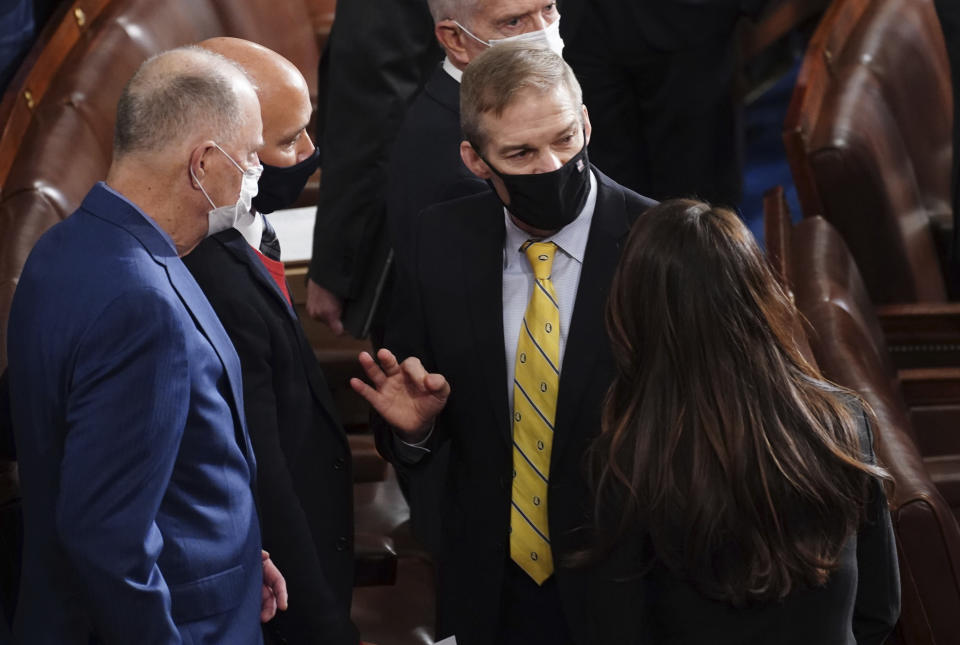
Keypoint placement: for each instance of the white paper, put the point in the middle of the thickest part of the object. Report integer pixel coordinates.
(447, 641)
(294, 227)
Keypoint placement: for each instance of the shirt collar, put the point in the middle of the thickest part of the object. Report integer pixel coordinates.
(571, 239)
(450, 69)
(250, 226)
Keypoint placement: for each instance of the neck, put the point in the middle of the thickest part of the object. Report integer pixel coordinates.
(155, 195)
(529, 230)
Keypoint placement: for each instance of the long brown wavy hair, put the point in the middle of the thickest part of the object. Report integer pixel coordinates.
(722, 448)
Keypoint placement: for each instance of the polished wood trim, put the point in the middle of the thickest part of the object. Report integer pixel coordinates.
(29, 86)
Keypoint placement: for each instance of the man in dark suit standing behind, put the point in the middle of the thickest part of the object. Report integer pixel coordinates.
(499, 325)
(425, 166)
(304, 485)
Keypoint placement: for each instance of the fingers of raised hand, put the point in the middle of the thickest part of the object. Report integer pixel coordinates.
(437, 385)
(415, 372)
(372, 370)
(388, 362)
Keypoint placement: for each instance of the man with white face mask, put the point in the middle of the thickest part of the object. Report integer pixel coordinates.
(136, 465)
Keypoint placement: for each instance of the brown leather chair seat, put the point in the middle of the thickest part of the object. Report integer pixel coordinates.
(848, 345)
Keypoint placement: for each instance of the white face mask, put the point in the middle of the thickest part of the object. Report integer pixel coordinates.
(220, 218)
(548, 37)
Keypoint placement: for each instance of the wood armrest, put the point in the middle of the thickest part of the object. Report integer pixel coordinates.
(931, 386)
(374, 560)
(922, 334)
(918, 322)
(933, 398)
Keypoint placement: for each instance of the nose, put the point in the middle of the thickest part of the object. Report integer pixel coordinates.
(540, 23)
(305, 147)
(549, 162)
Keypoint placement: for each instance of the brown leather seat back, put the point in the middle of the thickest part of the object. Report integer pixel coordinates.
(285, 27)
(814, 82)
(867, 183)
(901, 43)
(844, 337)
(68, 146)
(868, 135)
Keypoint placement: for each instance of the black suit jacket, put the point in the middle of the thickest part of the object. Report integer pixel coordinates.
(378, 56)
(305, 484)
(425, 167)
(449, 313)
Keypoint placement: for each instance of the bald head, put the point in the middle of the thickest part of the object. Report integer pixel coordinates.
(284, 98)
(178, 96)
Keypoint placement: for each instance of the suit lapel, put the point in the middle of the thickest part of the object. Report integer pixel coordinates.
(107, 204)
(587, 340)
(201, 311)
(235, 244)
(481, 256)
(445, 90)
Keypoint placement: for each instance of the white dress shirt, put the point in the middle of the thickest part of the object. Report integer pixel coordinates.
(518, 278)
(452, 70)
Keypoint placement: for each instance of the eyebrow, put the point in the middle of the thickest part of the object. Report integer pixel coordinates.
(572, 127)
(286, 137)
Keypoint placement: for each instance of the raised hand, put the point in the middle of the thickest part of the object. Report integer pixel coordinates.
(407, 396)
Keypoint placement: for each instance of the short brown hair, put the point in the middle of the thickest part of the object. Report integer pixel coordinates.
(493, 79)
(173, 92)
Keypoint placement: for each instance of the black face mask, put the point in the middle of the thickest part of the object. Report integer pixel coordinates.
(280, 187)
(549, 201)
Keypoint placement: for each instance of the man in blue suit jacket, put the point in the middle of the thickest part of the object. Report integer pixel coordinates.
(137, 472)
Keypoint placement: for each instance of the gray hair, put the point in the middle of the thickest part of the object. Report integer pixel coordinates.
(492, 81)
(174, 93)
(461, 10)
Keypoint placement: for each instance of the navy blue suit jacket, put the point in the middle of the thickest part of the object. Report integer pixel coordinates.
(136, 468)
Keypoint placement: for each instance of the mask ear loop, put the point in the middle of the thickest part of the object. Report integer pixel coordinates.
(470, 33)
(202, 189)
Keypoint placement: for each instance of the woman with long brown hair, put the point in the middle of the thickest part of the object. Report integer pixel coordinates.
(736, 489)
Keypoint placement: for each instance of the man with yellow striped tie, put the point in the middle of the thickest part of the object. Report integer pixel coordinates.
(499, 327)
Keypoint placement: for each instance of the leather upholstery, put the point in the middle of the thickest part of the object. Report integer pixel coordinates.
(879, 150)
(845, 338)
(67, 147)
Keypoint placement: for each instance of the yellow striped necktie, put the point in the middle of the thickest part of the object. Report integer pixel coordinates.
(536, 378)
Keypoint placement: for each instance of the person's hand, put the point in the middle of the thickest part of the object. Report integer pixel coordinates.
(274, 593)
(324, 306)
(404, 394)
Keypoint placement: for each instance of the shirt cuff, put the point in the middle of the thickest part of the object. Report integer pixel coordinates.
(412, 452)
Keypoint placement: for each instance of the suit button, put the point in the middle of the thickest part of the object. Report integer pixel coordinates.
(339, 463)
(342, 543)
